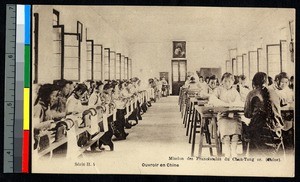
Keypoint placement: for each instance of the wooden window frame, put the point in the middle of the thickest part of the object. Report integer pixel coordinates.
(92, 58)
(63, 33)
(57, 15)
(267, 55)
(80, 30)
(107, 63)
(120, 67)
(101, 58)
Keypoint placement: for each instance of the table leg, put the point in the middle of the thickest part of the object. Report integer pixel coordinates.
(193, 124)
(189, 119)
(201, 138)
(194, 133)
(217, 141)
(207, 136)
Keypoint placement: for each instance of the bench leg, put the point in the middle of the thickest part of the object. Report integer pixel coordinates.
(207, 136)
(194, 135)
(185, 116)
(192, 124)
(188, 121)
(216, 137)
(201, 139)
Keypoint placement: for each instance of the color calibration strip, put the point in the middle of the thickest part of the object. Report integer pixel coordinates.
(26, 113)
(22, 89)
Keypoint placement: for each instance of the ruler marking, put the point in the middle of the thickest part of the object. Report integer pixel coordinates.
(9, 97)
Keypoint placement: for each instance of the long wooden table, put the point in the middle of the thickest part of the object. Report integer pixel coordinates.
(202, 114)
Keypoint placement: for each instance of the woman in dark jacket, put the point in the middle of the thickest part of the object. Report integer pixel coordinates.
(262, 107)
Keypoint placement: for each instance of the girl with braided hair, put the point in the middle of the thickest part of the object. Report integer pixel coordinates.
(262, 107)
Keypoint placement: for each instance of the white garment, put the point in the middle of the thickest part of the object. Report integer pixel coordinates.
(286, 95)
(74, 105)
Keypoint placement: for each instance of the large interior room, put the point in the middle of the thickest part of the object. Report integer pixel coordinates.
(121, 88)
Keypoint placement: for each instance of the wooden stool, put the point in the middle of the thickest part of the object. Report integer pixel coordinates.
(195, 124)
(204, 131)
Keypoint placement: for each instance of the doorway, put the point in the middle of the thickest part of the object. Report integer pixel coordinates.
(179, 71)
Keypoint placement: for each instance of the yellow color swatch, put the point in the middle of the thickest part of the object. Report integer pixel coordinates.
(26, 109)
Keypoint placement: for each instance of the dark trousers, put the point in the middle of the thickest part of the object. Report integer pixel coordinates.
(120, 123)
(106, 137)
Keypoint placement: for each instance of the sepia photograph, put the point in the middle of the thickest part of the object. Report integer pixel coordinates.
(162, 90)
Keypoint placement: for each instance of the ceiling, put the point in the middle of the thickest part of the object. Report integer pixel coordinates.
(158, 24)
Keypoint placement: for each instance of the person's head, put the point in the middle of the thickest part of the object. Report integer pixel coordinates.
(79, 90)
(150, 80)
(212, 82)
(206, 79)
(227, 80)
(282, 80)
(201, 79)
(107, 88)
(270, 80)
(242, 79)
(192, 80)
(236, 79)
(260, 80)
(124, 85)
(48, 94)
(129, 85)
(66, 86)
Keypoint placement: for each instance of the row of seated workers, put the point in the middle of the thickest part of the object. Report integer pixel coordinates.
(262, 123)
(63, 99)
(160, 86)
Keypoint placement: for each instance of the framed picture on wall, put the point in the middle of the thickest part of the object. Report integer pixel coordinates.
(179, 49)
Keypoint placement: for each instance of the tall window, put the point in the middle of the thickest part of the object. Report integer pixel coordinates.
(71, 59)
(112, 65)
(126, 68)
(106, 63)
(234, 65)
(232, 57)
(253, 66)
(262, 61)
(57, 46)
(130, 68)
(284, 55)
(122, 67)
(273, 60)
(118, 66)
(228, 65)
(239, 65)
(97, 61)
(246, 66)
(66, 52)
(90, 59)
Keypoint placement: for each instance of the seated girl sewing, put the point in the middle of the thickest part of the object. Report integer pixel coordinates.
(229, 124)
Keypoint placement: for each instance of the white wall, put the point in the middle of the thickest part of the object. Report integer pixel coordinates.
(152, 58)
(270, 30)
(98, 30)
